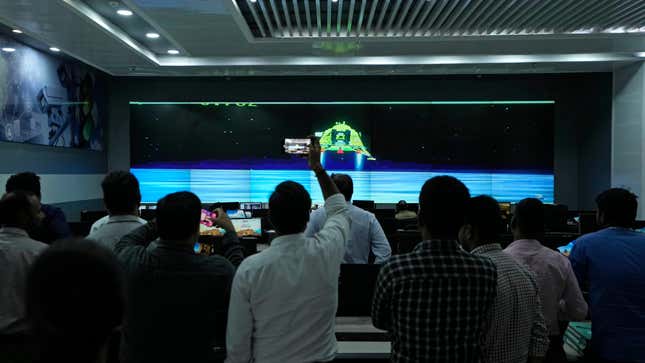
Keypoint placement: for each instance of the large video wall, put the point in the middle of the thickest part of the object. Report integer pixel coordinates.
(49, 100)
(234, 151)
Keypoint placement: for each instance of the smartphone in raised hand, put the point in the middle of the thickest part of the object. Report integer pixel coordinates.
(297, 146)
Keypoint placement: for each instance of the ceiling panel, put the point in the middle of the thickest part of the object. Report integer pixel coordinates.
(282, 19)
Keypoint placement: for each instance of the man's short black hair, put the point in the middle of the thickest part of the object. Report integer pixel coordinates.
(15, 209)
(345, 185)
(618, 207)
(529, 217)
(289, 208)
(26, 181)
(121, 192)
(75, 300)
(178, 216)
(442, 206)
(484, 214)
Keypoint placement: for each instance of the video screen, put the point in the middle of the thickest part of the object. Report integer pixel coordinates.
(250, 227)
(235, 152)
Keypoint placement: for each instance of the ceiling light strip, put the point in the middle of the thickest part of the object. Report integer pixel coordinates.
(111, 29)
(318, 17)
(350, 17)
(398, 29)
(256, 18)
(586, 20)
(499, 24)
(454, 16)
(267, 17)
(626, 19)
(361, 17)
(329, 16)
(616, 18)
(436, 11)
(339, 18)
(379, 23)
(412, 18)
(467, 29)
(472, 6)
(308, 17)
(480, 25)
(538, 17)
(525, 14)
(553, 14)
(580, 19)
(287, 18)
(296, 10)
(446, 12)
(510, 7)
(393, 16)
(276, 17)
(568, 14)
(370, 20)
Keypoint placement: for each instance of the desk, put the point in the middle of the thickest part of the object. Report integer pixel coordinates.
(358, 339)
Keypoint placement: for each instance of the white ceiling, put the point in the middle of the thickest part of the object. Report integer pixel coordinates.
(507, 36)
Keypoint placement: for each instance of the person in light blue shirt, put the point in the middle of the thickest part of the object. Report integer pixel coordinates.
(366, 232)
(611, 263)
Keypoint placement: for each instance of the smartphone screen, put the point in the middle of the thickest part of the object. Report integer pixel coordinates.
(297, 146)
(208, 218)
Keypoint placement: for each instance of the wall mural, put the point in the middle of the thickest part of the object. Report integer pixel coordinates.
(47, 100)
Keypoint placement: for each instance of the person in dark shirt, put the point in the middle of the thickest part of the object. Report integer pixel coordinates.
(177, 300)
(54, 226)
(436, 300)
(75, 302)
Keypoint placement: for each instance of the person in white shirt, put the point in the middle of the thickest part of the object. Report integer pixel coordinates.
(284, 299)
(122, 198)
(19, 213)
(367, 234)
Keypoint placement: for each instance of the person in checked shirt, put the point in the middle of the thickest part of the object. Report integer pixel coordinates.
(518, 331)
(435, 301)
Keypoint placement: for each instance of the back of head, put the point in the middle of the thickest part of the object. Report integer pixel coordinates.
(528, 219)
(485, 217)
(289, 208)
(442, 206)
(121, 193)
(345, 185)
(75, 300)
(26, 181)
(178, 216)
(617, 207)
(19, 209)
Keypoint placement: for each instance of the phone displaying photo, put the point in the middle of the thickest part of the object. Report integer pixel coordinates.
(208, 218)
(297, 146)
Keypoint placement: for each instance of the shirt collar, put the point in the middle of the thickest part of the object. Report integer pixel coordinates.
(526, 243)
(287, 239)
(125, 218)
(438, 245)
(486, 248)
(13, 230)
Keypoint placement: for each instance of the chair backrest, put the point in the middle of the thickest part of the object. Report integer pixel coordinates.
(356, 289)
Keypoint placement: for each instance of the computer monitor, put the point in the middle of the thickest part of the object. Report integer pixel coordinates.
(367, 205)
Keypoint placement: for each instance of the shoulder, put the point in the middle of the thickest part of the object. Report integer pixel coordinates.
(99, 223)
(33, 246)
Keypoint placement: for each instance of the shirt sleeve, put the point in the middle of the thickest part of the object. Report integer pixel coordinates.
(334, 234)
(315, 223)
(239, 333)
(131, 249)
(381, 314)
(539, 343)
(380, 246)
(573, 306)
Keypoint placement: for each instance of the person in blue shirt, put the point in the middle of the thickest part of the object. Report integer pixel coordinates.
(366, 232)
(611, 262)
(54, 226)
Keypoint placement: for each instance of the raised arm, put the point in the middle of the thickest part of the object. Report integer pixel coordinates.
(327, 185)
(131, 249)
(233, 250)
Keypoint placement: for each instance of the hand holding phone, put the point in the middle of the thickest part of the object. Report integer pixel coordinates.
(297, 146)
(224, 221)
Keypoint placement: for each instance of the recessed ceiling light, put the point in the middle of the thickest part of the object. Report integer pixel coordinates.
(254, 1)
(124, 12)
(640, 54)
(173, 51)
(54, 49)
(17, 31)
(9, 50)
(152, 35)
